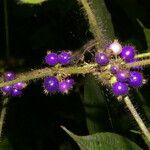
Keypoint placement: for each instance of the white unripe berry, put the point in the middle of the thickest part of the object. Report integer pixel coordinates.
(116, 47)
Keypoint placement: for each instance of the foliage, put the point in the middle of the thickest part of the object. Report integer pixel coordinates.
(63, 24)
(103, 141)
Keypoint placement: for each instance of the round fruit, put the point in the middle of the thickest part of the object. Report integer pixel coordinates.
(120, 88)
(51, 59)
(8, 76)
(64, 58)
(7, 89)
(70, 81)
(114, 69)
(128, 53)
(122, 76)
(19, 85)
(64, 87)
(115, 47)
(16, 93)
(101, 59)
(51, 84)
(136, 79)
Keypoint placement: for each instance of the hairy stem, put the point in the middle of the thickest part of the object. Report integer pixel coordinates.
(99, 20)
(3, 113)
(41, 73)
(138, 63)
(66, 71)
(92, 21)
(137, 117)
(143, 55)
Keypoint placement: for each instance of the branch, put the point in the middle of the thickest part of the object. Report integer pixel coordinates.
(138, 63)
(100, 21)
(3, 113)
(137, 117)
(143, 55)
(92, 21)
(41, 73)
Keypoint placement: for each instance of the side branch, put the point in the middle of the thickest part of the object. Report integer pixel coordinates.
(137, 117)
(92, 21)
(41, 73)
(138, 63)
(3, 113)
(143, 55)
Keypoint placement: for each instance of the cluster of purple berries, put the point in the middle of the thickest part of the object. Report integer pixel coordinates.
(52, 85)
(123, 79)
(53, 59)
(15, 89)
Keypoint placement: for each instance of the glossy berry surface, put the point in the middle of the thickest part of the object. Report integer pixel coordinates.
(64, 58)
(7, 89)
(120, 88)
(16, 93)
(115, 47)
(19, 85)
(114, 69)
(128, 53)
(64, 87)
(51, 59)
(101, 59)
(136, 79)
(122, 76)
(70, 81)
(51, 84)
(8, 76)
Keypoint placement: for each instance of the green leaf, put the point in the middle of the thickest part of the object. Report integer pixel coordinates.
(65, 146)
(32, 1)
(5, 145)
(147, 33)
(103, 141)
(95, 106)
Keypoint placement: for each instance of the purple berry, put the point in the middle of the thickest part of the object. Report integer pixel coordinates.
(120, 88)
(8, 76)
(128, 53)
(19, 85)
(70, 81)
(51, 59)
(136, 79)
(7, 89)
(64, 87)
(64, 58)
(114, 69)
(122, 76)
(101, 59)
(51, 84)
(16, 92)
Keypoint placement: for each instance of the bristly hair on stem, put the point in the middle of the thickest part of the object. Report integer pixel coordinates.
(85, 69)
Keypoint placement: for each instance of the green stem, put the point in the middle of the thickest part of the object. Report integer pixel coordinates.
(137, 117)
(138, 63)
(3, 113)
(92, 21)
(143, 55)
(6, 29)
(99, 20)
(66, 71)
(41, 73)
